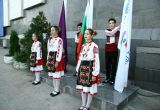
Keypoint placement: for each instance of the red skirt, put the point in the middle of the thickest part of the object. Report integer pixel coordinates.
(61, 65)
(40, 62)
(98, 80)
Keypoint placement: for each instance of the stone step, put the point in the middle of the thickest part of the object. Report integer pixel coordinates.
(148, 57)
(148, 79)
(147, 69)
(107, 98)
(145, 100)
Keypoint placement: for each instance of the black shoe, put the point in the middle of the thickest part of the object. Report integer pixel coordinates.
(36, 83)
(111, 82)
(74, 75)
(53, 95)
(85, 108)
(106, 81)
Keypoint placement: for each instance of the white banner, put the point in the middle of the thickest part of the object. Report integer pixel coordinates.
(89, 14)
(124, 46)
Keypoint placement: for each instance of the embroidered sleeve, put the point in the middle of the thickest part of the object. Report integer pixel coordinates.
(111, 33)
(96, 62)
(39, 51)
(79, 60)
(59, 50)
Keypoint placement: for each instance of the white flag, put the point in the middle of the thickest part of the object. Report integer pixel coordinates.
(89, 14)
(124, 46)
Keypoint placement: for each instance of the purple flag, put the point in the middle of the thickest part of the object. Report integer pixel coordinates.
(62, 25)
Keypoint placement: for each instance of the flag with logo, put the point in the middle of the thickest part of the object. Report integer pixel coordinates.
(124, 47)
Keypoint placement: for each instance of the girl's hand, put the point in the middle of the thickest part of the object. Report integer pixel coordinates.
(93, 78)
(76, 74)
(47, 63)
(56, 64)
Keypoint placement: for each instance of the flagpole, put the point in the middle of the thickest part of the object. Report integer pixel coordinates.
(65, 5)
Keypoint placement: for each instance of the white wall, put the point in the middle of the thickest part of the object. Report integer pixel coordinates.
(15, 9)
(6, 20)
(30, 3)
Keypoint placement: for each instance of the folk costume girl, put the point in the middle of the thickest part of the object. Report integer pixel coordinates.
(55, 62)
(36, 63)
(88, 69)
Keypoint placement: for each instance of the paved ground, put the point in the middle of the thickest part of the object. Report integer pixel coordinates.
(17, 92)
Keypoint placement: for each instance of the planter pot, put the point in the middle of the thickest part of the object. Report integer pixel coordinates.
(16, 65)
(8, 59)
(23, 66)
(20, 65)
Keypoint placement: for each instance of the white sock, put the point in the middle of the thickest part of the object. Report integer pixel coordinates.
(89, 100)
(37, 76)
(54, 84)
(49, 74)
(57, 85)
(84, 98)
(54, 92)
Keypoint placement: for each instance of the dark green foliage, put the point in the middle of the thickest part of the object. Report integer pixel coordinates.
(14, 43)
(21, 57)
(39, 25)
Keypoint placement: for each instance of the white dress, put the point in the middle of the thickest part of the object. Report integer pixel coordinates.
(56, 44)
(89, 52)
(36, 47)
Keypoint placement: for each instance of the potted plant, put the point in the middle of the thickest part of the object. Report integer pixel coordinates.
(13, 48)
(20, 61)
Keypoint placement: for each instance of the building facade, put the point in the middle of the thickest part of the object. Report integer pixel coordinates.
(17, 15)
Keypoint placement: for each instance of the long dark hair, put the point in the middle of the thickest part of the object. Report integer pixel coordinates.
(91, 31)
(58, 29)
(37, 35)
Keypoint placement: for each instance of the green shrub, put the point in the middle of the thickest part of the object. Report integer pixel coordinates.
(14, 43)
(20, 57)
(38, 25)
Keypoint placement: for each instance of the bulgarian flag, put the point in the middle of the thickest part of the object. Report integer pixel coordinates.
(87, 23)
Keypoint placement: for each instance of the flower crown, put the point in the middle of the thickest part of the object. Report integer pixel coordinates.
(94, 33)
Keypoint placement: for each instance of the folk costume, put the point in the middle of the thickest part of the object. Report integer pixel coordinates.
(55, 50)
(88, 66)
(36, 62)
(111, 53)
